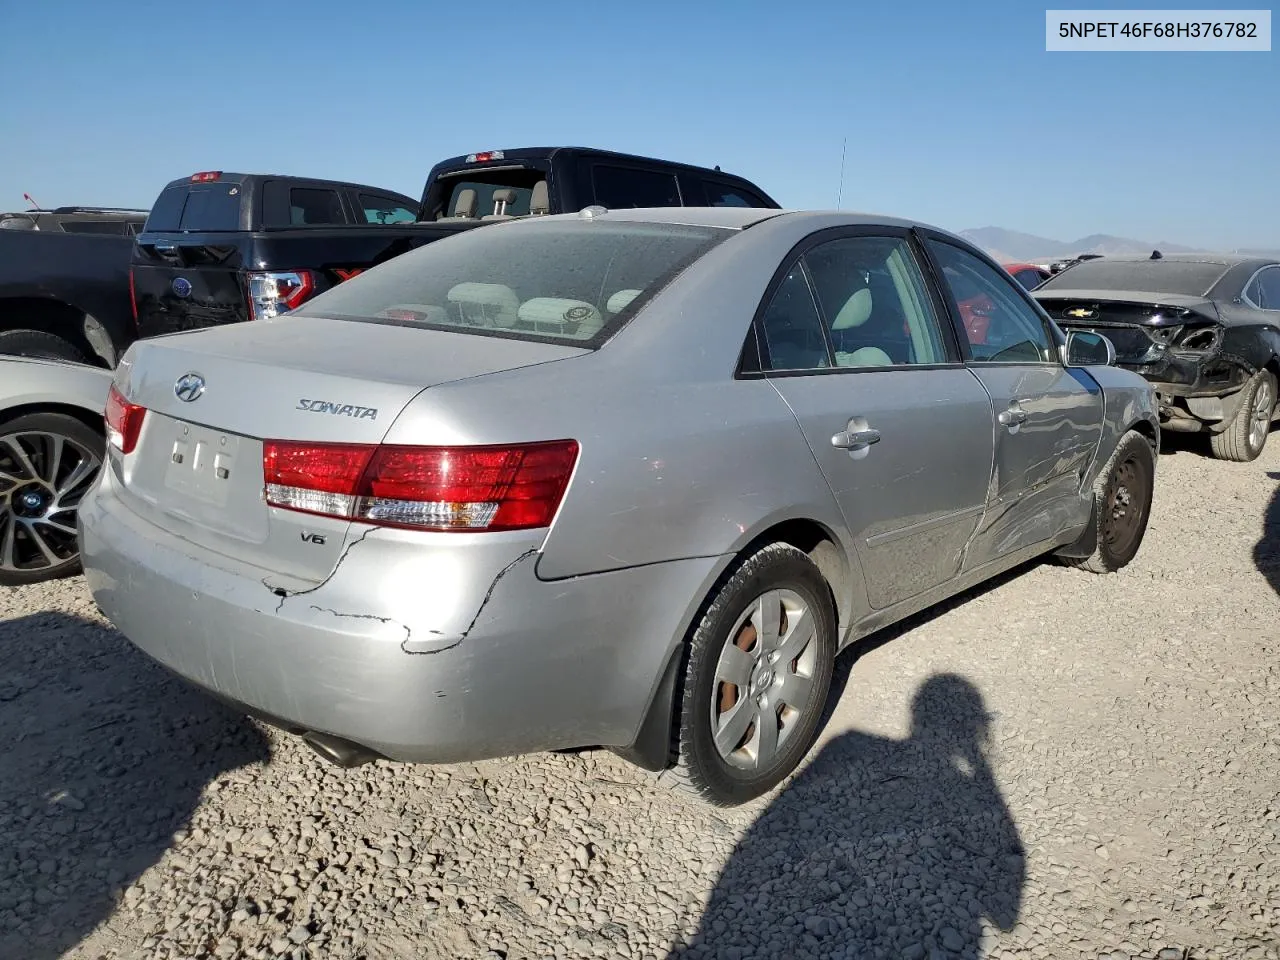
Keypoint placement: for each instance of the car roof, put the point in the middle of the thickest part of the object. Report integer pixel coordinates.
(543, 153)
(1221, 259)
(738, 218)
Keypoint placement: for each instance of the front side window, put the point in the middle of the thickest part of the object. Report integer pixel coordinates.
(561, 281)
(999, 325)
(874, 303)
(378, 209)
(1268, 289)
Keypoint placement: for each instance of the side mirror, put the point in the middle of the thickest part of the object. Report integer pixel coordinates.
(1087, 349)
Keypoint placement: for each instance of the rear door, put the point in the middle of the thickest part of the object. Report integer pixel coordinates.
(1048, 418)
(186, 265)
(862, 353)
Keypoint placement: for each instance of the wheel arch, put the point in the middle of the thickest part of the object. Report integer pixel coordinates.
(653, 748)
(55, 317)
(88, 417)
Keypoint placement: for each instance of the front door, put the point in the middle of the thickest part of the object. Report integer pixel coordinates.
(901, 430)
(1048, 418)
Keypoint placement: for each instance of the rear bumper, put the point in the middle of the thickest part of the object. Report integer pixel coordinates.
(445, 659)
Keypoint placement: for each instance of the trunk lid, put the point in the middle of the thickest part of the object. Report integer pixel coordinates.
(197, 469)
(189, 282)
(1142, 326)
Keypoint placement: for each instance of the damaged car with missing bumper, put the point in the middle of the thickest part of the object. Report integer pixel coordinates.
(626, 479)
(1205, 330)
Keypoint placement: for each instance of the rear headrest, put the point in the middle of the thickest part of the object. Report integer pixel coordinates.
(855, 311)
(556, 314)
(466, 205)
(621, 300)
(505, 195)
(489, 304)
(539, 202)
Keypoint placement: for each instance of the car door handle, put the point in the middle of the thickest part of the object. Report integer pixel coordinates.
(855, 439)
(1013, 416)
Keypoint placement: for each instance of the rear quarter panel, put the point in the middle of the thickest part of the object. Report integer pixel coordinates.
(1128, 400)
(38, 383)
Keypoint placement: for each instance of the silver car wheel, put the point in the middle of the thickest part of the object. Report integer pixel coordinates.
(764, 679)
(43, 477)
(1262, 403)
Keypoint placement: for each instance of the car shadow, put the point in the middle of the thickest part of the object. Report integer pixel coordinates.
(1266, 553)
(105, 757)
(878, 848)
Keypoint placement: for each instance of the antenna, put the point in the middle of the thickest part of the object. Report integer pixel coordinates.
(840, 192)
(31, 200)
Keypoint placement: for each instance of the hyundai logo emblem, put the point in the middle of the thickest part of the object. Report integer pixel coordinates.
(181, 287)
(189, 387)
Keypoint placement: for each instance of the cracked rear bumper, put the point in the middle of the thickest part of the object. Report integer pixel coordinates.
(441, 648)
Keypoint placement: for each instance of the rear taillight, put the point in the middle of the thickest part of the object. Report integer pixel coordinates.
(124, 421)
(271, 294)
(133, 297)
(422, 488)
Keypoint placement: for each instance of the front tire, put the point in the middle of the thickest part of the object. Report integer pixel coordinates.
(756, 677)
(48, 461)
(1122, 505)
(1246, 435)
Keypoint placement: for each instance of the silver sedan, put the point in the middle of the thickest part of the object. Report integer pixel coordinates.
(627, 479)
(51, 448)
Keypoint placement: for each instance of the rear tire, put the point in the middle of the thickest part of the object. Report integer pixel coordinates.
(1122, 505)
(1247, 433)
(737, 741)
(38, 537)
(37, 343)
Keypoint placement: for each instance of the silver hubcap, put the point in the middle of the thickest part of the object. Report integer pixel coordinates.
(1261, 424)
(43, 477)
(763, 680)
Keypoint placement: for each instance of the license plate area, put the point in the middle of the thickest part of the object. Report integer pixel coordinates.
(204, 464)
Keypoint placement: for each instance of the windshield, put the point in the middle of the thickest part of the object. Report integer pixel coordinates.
(568, 281)
(1188, 278)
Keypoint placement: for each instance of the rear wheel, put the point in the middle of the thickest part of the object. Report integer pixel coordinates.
(37, 343)
(48, 461)
(756, 677)
(1122, 505)
(1247, 433)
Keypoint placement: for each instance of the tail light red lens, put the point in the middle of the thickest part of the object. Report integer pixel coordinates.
(124, 421)
(423, 488)
(274, 293)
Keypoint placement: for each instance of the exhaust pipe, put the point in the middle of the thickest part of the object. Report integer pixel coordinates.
(339, 752)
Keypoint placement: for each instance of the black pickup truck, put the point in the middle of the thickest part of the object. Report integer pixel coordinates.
(229, 247)
(64, 282)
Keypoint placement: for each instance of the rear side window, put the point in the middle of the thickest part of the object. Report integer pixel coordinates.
(376, 209)
(310, 206)
(621, 188)
(198, 207)
(115, 228)
(559, 281)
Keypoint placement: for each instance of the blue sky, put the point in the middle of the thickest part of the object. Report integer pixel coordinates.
(954, 113)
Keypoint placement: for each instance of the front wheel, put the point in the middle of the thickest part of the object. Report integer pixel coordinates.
(48, 461)
(756, 677)
(1246, 435)
(1122, 505)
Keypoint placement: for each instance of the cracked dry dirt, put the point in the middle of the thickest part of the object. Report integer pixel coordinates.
(1126, 802)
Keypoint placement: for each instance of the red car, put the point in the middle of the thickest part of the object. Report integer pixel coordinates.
(1027, 274)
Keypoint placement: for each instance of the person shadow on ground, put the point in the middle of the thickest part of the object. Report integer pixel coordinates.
(104, 756)
(1266, 553)
(878, 848)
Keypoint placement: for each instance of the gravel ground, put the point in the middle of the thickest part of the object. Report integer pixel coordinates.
(1058, 766)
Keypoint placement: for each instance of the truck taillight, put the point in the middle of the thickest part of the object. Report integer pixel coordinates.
(274, 293)
(124, 421)
(508, 487)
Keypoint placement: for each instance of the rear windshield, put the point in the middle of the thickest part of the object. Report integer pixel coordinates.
(197, 207)
(470, 193)
(558, 281)
(1181, 278)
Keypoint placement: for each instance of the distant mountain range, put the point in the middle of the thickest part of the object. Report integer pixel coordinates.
(1009, 246)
